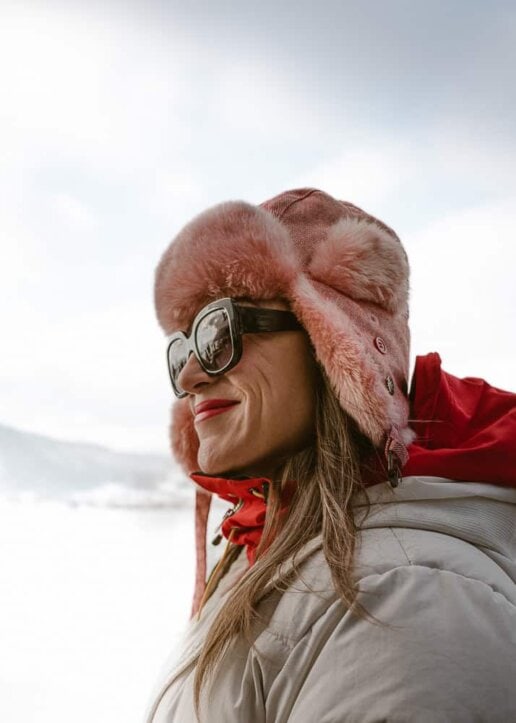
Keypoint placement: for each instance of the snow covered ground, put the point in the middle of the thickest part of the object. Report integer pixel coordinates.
(92, 602)
(95, 588)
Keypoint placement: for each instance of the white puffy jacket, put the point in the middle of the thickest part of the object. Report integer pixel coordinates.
(436, 564)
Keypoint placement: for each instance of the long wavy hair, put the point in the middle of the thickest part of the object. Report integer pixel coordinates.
(328, 473)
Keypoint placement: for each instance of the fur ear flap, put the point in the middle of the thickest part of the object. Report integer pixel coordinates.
(183, 437)
(363, 261)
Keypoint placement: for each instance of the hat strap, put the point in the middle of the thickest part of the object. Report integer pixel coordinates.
(397, 455)
(202, 510)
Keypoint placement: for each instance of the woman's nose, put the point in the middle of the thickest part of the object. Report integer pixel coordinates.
(192, 376)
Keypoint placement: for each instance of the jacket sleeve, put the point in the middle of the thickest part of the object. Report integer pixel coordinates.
(444, 649)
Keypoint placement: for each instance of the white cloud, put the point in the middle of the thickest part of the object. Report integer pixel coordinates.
(74, 212)
(176, 195)
(463, 296)
(53, 80)
(263, 100)
(118, 129)
(100, 91)
(368, 172)
(98, 377)
(471, 156)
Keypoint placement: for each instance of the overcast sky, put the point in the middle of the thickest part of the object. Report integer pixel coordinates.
(120, 121)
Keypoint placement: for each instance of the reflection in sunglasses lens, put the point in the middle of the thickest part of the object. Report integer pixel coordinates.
(213, 340)
(176, 358)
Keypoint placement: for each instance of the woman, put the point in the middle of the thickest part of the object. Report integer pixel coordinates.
(345, 592)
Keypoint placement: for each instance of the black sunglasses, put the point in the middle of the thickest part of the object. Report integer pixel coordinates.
(216, 337)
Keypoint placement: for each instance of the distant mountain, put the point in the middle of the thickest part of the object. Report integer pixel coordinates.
(33, 465)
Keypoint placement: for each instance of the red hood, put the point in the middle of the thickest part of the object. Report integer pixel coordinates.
(466, 429)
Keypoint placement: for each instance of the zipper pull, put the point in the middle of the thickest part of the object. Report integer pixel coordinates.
(228, 513)
(263, 493)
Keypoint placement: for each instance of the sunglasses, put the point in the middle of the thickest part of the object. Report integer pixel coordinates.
(216, 337)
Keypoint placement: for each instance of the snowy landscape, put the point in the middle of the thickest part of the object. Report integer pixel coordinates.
(97, 562)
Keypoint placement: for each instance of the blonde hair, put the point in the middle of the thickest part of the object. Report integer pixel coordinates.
(328, 473)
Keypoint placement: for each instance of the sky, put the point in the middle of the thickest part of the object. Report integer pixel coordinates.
(120, 121)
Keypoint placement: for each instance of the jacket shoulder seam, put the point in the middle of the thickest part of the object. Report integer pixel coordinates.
(441, 571)
(289, 641)
(402, 546)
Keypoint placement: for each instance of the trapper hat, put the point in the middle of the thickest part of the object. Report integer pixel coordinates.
(344, 274)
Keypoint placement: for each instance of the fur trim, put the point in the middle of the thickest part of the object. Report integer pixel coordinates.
(183, 437)
(363, 261)
(232, 249)
(344, 274)
(408, 436)
(356, 373)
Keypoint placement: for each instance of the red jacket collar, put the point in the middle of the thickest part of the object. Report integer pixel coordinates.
(243, 524)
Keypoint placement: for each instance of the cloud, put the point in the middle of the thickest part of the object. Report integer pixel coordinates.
(82, 86)
(100, 376)
(366, 173)
(398, 64)
(462, 291)
(74, 213)
(121, 125)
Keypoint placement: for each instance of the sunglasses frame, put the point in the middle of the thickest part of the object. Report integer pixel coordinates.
(242, 320)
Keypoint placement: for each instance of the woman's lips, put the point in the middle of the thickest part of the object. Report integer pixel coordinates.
(211, 408)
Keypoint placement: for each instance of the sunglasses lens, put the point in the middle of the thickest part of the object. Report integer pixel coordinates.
(213, 340)
(177, 357)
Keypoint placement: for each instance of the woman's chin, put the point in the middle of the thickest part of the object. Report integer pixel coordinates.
(213, 464)
(222, 466)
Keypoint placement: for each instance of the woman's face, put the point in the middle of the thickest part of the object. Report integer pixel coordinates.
(273, 386)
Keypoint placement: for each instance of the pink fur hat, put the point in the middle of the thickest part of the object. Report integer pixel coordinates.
(344, 274)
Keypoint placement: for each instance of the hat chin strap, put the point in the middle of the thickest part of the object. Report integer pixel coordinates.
(202, 511)
(397, 455)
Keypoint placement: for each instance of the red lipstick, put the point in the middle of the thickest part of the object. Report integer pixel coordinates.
(210, 407)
